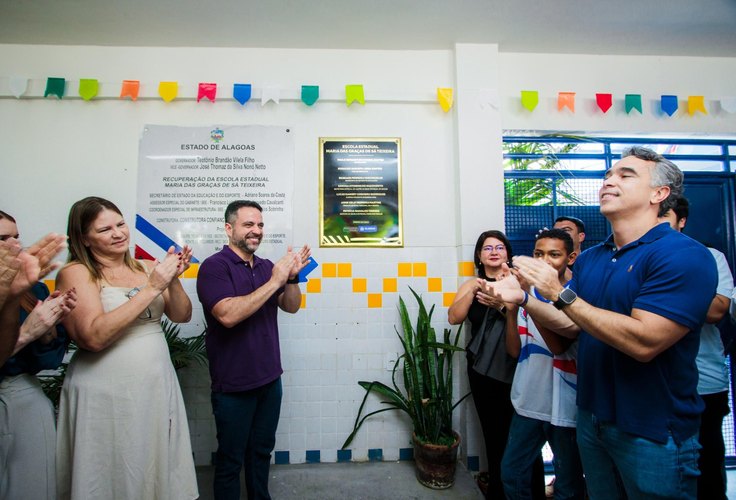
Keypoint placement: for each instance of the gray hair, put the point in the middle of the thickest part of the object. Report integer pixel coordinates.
(664, 173)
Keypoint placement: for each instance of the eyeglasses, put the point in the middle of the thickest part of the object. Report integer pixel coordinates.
(145, 314)
(497, 248)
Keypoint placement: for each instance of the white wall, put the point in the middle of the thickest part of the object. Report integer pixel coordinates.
(55, 152)
(650, 76)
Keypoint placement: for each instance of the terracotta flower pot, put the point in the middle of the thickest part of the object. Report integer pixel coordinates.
(435, 464)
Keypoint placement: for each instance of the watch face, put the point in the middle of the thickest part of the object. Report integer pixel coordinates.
(568, 296)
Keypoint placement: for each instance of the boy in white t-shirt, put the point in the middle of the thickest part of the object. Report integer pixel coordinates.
(544, 389)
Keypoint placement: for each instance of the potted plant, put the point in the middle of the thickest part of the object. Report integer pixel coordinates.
(425, 396)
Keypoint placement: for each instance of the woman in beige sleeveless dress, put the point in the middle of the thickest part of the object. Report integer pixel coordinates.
(122, 430)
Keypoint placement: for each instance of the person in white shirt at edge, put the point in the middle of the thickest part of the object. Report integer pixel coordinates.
(713, 372)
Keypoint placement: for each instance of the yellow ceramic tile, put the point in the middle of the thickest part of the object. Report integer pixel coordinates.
(329, 270)
(447, 299)
(466, 268)
(390, 285)
(404, 270)
(304, 301)
(314, 285)
(375, 300)
(51, 284)
(434, 284)
(420, 269)
(344, 270)
(360, 285)
(191, 272)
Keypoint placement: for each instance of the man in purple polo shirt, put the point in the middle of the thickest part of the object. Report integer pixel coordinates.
(240, 294)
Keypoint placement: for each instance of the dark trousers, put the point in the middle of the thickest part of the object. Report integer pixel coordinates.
(492, 400)
(246, 435)
(712, 461)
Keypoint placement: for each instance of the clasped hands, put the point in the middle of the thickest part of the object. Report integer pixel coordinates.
(527, 272)
(20, 269)
(289, 266)
(173, 265)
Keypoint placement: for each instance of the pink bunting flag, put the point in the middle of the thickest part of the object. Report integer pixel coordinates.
(207, 91)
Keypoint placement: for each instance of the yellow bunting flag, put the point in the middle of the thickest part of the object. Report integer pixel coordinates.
(444, 97)
(696, 103)
(529, 99)
(168, 90)
(566, 100)
(88, 88)
(354, 93)
(130, 88)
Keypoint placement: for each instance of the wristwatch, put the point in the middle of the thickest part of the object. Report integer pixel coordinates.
(565, 298)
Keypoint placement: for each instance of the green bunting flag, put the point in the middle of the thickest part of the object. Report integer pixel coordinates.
(310, 94)
(88, 88)
(55, 86)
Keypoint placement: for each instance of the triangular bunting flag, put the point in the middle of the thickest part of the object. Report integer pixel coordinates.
(88, 88)
(669, 104)
(529, 99)
(270, 94)
(566, 100)
(604, 101)
(728, 104)
(696, 103)
(18, 86)
(354, 93)
(241, 92)
(444, 97)
(488, 98)
(310, 94)
(632, 101)
(207, 90)
(130, 88)
(55, 86)
(168, 90)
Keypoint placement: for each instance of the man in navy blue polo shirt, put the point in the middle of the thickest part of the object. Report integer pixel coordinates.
(241, 294)
(637, 302)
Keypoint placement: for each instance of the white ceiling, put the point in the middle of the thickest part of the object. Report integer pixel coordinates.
(642, 27)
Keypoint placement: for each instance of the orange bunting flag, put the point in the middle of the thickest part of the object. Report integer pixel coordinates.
(566, 100)
(130, 88)
(207, 90)
(444, 97)
(604, 101)
(529, 99)
(168, 90)
(696, 103)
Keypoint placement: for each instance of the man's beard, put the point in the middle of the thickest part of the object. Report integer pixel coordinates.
(245, 246)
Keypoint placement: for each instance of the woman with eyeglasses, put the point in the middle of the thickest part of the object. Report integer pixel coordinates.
(122, 430)
(490, 369)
